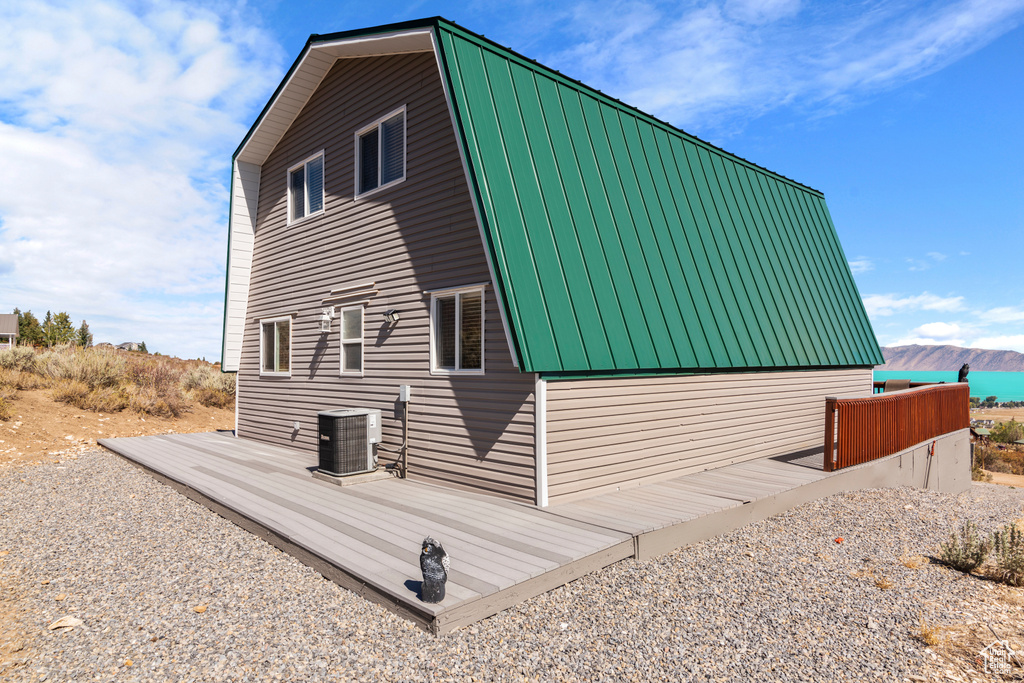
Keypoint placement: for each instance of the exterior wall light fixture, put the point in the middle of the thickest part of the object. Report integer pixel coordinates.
(391, 315)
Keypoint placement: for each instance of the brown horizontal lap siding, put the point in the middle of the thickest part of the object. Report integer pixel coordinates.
(467, 432)
(604, 434)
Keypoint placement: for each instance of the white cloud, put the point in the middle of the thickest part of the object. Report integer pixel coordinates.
(861, 265)
(936, 256)
(117, 123)
(1001, 315)
(939, 330)
(927, 341)
(1010, 342)
(888, 304)
(691, 63)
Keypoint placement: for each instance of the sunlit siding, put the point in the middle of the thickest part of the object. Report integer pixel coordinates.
(605, 434)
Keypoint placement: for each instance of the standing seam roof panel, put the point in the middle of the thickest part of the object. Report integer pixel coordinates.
(582, 306)
(623, 295)
(685, 310)
(623, 245)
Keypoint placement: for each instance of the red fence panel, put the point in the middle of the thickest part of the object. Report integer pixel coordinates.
(859, 430)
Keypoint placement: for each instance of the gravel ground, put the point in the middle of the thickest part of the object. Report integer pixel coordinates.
(776, 600)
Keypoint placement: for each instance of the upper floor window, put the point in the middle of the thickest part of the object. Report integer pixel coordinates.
(380, 153)
(306, 188)
(457, 331)
(276, 346)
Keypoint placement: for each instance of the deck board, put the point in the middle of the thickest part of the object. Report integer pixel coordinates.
(366, 536)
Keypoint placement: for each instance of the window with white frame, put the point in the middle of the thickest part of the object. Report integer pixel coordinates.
(457, 331)
(276, 346)
(380, 153)
(352, 341)
(306, 188)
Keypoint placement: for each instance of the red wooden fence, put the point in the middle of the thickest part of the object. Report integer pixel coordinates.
(859, 430)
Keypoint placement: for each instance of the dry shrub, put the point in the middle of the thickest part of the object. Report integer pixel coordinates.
(93, 367)
(70, 391)
(208, 377)
(913, 561)
(18, 358)
(148, 400)
(213, 398)
(105, 400)
(930, 634)
(20, 379)
(7, 396)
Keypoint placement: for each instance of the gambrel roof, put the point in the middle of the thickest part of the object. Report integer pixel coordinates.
(618, 244)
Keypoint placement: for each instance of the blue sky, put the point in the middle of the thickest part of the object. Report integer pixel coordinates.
(118, 120)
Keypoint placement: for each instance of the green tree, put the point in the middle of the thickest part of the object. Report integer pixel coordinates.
(1008, 432)
(84, 336)
(142, 347)
(29, 331)
(64, 328)
(57, 329)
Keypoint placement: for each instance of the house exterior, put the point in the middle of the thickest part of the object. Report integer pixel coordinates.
(582, 297)
(8, 330)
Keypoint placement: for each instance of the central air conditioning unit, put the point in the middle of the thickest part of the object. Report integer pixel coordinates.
(347, 436)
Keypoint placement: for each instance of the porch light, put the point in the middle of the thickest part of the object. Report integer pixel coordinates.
(391, 315)
(325, 319)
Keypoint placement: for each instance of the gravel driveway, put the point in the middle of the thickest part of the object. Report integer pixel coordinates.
(776, 600)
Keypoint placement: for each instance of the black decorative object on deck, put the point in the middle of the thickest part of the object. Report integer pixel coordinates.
(434, 563)
(964, 369)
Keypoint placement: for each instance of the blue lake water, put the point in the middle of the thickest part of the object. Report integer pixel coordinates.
(1007, 386)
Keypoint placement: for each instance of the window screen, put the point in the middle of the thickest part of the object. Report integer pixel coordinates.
(368, 161)
(306, 188)
(276, 347)
(381, 152)
(352, 341)
(458, 331)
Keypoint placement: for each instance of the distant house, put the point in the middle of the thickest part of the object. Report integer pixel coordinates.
(8, 330)
(130, 346)
(581, 296)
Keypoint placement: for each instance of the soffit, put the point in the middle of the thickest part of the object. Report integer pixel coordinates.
(306, 75)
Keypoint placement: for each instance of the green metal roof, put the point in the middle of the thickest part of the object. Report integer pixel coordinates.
(623, 245)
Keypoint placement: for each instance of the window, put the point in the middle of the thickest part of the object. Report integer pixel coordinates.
(306, 188)
(352, 341)
(380, 153)
(275, 346)
(457, 331)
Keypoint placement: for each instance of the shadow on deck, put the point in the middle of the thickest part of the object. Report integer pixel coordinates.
(366, 537)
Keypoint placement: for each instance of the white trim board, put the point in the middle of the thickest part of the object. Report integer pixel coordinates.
(540, 436)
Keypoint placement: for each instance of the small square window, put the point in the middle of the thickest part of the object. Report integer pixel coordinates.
(275, 346)
(380, 153)
(352, 341)
(457, 332)
(306, 188)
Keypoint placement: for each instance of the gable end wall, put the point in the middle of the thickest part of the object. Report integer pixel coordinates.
(473, 432)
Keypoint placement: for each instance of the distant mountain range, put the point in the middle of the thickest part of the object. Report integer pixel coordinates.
(950, 358)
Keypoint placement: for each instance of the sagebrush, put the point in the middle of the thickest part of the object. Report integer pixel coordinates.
(109, 380)
(1008, 551)
(966, 549)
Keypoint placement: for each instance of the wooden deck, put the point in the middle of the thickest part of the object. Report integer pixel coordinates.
(366, 537)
